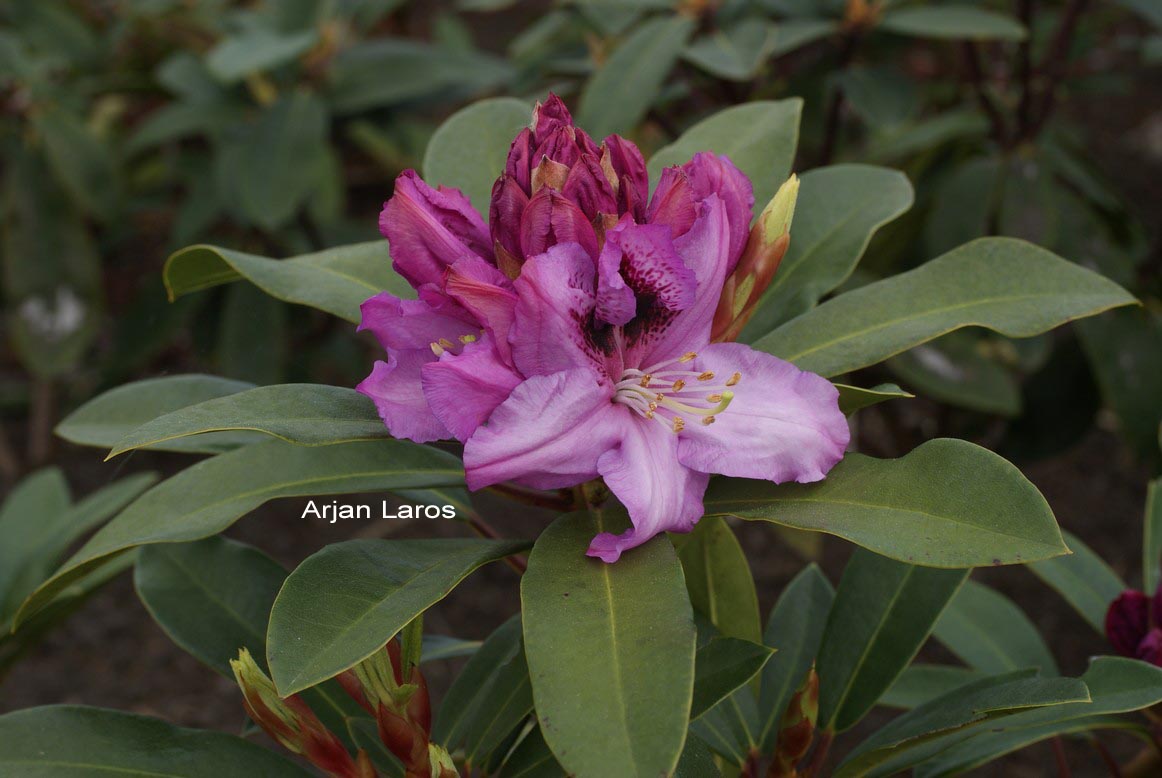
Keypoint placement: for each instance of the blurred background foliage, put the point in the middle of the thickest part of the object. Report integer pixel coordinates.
(134, 127)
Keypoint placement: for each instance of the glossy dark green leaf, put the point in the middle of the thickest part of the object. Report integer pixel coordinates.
(963, 201)
(719, 580)
(531, 758)
(883, 613)
(854, 398)
(697, 761)
(108, 417)
(489, 699)
(336, 280)
(1003, 284)
(1084, 579)
(954, 370)
(958, 22)
(252, 342)
(882, 96)
(61, 740)
(921, 682)
(610, 651)
(722, 666)
(760, 138)
(838, 210)
(795, 631)
(343, 603)
(469, 149)
(954, 716)
(306, 414)
(990, 633)
(729, 728)
(917, 509)
(621, 91)
(211, 495)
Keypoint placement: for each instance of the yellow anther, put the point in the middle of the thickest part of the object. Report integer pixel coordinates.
(679, 424)
(734, 379)
(646, 379)
(649, 414)
(708, 420)
(714, 398)
(688, 356)
(707, 376)
(653, 407)
(678, 385)
(466, 339)
(437, 349)
(446, 343)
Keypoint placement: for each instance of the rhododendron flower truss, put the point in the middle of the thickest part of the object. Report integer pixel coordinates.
(570, 339)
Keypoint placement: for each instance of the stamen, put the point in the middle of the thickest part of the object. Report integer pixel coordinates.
(646, 379)
(679, 424)
(707, 376)
(446, 343)
(708, 420)
(689, 356)
(679, 385)
(714, 398)
(734, 379)
(466, 339)
(437, 349)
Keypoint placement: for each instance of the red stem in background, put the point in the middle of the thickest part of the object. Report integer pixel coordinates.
(976, 79)
(485, 530)
(1025, 68)
(1059, 755)
(1056, 60)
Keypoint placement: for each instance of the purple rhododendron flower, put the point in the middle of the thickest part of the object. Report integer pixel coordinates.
(1134, 625)
(570, 338)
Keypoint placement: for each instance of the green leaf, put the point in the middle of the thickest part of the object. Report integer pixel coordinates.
(759, 137)
(882, 615)
(920, 683)
(489, 699)
(918, 508)
(953, 369)
(343, 603)
(736, 52)
(697, 761)
(881, 95)
(306, 414)
(610, 651)
(990, 633)
(211, 597)
(469, 149)
(1152, 537)
(962, 203)
(838, 210)
(1004, 284)
(719, 580)
(208, 497)
(82, 161)
(531, 758)
(728, 728)
(337, 280)
(1147, 9)
(954, 716)
(269, 168)
(956, 22)
(723, 666)
(252, 336)
(621, 91)
(1115, 685)
(987, 746)
(855, 398)
(1084, 579)
(256, 49)
(76, 740)
(109, 417)
(795, 631)
(437, 647)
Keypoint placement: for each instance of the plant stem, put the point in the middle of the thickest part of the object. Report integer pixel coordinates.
(485, 530)
(1025, 68)
(1055, 62)
(847, 50)
(976, 79)
(1110, 763)
(551, 501)
(9, 463)
(1059, 756)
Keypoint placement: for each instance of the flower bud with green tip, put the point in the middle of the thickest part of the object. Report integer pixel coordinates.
(797, 729)
(293, 724)
(765, 248)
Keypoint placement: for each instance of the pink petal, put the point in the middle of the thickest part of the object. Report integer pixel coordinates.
(673, 203)
(555, 301)
(429, 229)
(1150, 649)
(711, 174)
(519, 165)
(1128, 621)
(504, 213)
(589, 188)
(660, 493)
(464, 389)
(548, 434)
(395, 387)
(639, 262)
(704, 249)
(414, 324)
(633, 178)
(550, 219)
(784, 424)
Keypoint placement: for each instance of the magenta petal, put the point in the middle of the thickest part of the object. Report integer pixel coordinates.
(784, 424)
(395, 387)
(548, 434)
(634, 180)
(487, 294)
(1128, 621)
(711, 174)
(616, 302)
(673, 203)
(413, 324)
(464, 389)
(519, 165)
(639, 262)
(504, 213)
(551, 115)
(660, 493)
(589, 188)
(555, 298)
(550, 219)
(1150, 649)
(429, 229)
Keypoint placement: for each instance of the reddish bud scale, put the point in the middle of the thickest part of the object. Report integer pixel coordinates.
(797, 729)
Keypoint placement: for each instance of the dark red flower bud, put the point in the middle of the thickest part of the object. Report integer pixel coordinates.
(1128, 622)
(551, 218)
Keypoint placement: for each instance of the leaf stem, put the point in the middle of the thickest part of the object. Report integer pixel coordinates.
(976, 79)
(553, 501)
(485, 530)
